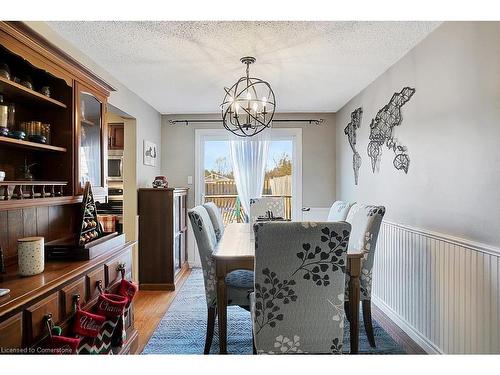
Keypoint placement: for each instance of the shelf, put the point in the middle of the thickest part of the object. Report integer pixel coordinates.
(34, 183)
(14, 204)
(30, 145)
(16, 91)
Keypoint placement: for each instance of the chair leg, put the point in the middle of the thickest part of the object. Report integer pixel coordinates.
(347, 311)
(367, 320)
(212, 314)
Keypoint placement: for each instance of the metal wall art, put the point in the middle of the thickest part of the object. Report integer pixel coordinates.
(382, 128)
(350, 131)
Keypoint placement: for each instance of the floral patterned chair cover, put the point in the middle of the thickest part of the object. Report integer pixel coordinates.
(339, 211)
(216, 218)
(239, 283)
(260, 206)
(298, 303)
(365, 221)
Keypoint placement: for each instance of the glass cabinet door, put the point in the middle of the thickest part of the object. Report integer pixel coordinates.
(90, 166)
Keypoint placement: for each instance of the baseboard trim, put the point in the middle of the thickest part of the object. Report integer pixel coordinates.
(168, 287)
(182, 271)
(416, 336)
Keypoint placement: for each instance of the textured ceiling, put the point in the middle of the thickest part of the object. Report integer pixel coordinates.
(182, 67)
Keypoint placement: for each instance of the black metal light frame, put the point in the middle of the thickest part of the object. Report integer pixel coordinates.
(237, 114)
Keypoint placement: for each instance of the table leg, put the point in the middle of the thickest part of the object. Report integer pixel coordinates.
(354, 272)
(222, 311)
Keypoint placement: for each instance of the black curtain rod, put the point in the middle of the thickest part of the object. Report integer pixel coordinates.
(310, 121)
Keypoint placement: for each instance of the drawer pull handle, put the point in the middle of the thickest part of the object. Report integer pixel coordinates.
(76, 302)
(121, 268)
(99, 286)
(49, 323)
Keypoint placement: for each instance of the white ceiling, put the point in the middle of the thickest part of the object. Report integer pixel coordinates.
(182, 67)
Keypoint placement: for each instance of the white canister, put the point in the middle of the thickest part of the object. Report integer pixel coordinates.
(30, 255)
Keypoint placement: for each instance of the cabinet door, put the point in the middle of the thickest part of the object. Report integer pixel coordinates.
(91, 146)
(116, 139)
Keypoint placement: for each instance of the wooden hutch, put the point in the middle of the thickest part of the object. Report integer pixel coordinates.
(163, 234)
(49, 204)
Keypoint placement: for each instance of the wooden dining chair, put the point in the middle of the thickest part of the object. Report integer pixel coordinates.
(365, 221)
(339, 211)
(260, 207)
(216, 219)
(239, 283)
(298, 303)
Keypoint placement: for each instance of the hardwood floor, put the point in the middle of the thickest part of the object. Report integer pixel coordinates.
(150, 306)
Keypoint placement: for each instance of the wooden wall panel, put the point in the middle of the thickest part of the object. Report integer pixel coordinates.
(42, 221)
(49, 222)
(15, 230)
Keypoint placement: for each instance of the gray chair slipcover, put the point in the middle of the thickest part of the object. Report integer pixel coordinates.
(298, 303)
(365, 221)
(216, 218)
(339, 211)
(239, 283)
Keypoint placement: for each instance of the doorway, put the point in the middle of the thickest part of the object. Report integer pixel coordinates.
(122, 179)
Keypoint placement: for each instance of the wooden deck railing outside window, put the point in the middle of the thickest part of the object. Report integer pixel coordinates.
(232, 210)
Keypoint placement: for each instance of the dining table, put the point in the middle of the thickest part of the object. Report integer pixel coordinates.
(236, 251)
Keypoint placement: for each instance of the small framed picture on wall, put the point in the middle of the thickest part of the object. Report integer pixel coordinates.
(150, 153)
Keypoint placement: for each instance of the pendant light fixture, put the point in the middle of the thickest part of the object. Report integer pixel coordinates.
(248, 106)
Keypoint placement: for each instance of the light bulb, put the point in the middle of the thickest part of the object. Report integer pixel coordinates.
(264, 101)
(249, 96)
(255, 107)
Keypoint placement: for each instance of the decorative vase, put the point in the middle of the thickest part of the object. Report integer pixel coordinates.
(160, 182)
(30, 255)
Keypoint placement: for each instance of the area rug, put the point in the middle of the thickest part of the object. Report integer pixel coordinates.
(182, 329)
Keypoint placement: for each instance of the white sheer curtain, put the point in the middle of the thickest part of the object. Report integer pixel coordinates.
(249, 158)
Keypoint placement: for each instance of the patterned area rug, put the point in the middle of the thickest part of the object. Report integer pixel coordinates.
(182, 329)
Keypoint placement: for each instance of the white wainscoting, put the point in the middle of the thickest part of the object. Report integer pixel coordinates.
(443, 291)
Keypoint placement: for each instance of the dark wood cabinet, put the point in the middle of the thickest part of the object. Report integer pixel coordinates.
(116, 136)
(162, 234)
(24, 310)
(75, 152)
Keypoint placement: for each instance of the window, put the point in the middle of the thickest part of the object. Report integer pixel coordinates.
(214, 177)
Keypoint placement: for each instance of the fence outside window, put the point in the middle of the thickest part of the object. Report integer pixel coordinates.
(225, 195)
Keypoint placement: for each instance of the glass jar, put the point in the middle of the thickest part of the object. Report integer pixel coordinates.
(11, 116)
(36, 127)
(46, 132)
(4, 113)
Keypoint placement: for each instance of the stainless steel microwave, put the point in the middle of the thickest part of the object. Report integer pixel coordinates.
(115, 165)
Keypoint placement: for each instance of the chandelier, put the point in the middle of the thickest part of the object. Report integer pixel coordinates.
(248, 106)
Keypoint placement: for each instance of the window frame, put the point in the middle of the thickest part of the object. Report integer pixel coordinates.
(277, 134)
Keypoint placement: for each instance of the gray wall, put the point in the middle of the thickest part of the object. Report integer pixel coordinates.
(318, 154)
(148, 119)
(451, 127)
